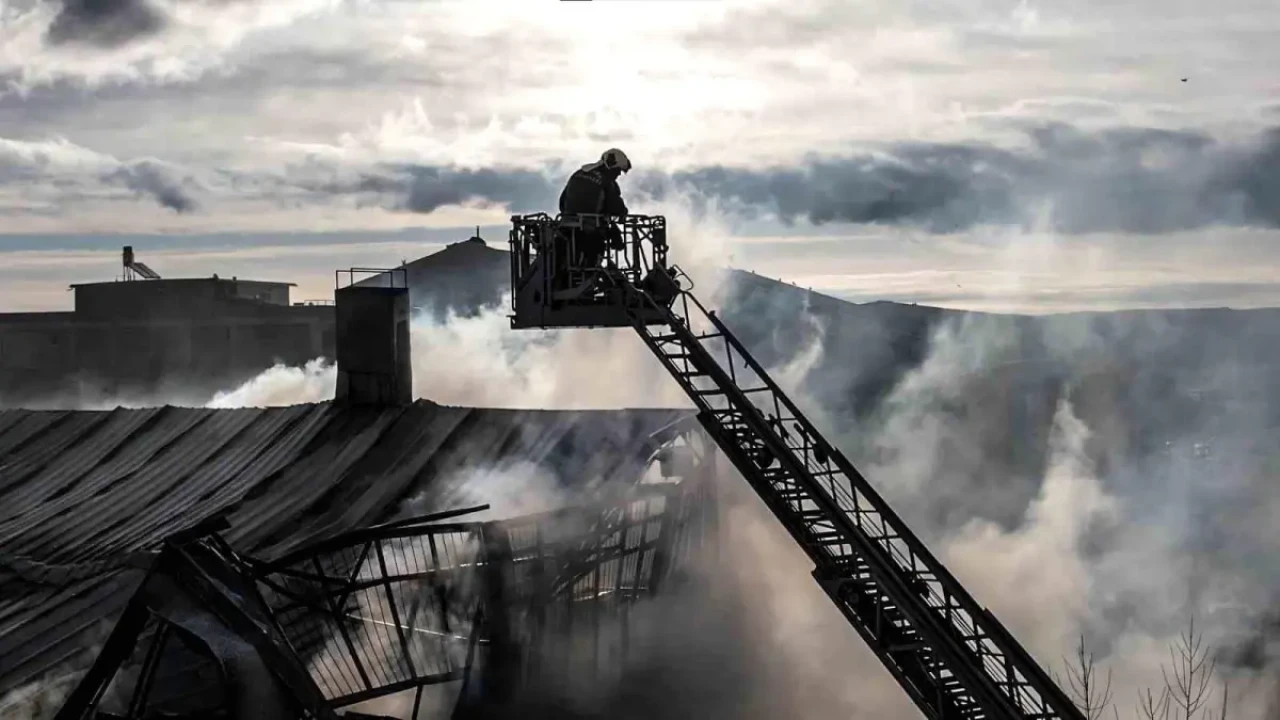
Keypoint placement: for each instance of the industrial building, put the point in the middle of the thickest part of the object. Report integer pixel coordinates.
(462, 278)
(143, 335)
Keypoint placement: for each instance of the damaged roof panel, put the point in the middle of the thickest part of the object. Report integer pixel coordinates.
(84, 495)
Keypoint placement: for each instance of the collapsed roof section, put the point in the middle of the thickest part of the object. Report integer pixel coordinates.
(86, 497)
(510, 612)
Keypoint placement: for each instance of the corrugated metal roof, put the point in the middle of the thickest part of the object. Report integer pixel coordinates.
(84, 495)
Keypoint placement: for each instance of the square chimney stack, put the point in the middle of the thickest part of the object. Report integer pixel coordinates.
(374, 360)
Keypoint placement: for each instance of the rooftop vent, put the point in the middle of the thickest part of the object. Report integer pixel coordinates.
(136, 270)
(374, 365)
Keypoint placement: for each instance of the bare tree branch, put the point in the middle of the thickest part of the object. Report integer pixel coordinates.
(1193, 666)
(1151, 707)
(1083, 685)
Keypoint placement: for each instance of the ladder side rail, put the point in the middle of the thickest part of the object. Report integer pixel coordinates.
(919, 685)
(1048, 691)
(916, 681)
(888, 574)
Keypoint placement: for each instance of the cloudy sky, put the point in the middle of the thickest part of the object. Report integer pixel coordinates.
(997, 154)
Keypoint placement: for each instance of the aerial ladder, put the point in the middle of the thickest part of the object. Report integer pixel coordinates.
(949, 653)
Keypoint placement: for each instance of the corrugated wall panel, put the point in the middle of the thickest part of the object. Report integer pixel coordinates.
(285, 452)
(45, 522)
(169, 468)
(93, 487)
(61, 475)
(192, 500)
(32, 457)
(377, 483)
(9, 417)
(349, 436)
(27, 426)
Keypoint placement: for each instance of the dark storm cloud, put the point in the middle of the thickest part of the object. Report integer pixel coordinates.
(432, 188)
(1059, 178)
(152, 179)
(942, 187)
(1128, 180)
(425, 189)
(104, 23)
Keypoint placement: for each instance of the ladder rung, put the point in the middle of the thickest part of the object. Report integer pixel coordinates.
(905, 647)
(672, 336)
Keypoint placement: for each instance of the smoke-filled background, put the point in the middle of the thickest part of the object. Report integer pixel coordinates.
(1105, 475)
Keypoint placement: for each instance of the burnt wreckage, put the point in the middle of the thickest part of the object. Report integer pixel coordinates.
(297, 575)
(394, 608)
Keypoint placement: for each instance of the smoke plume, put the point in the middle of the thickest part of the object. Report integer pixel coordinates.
(1111, 508)
(282, 385)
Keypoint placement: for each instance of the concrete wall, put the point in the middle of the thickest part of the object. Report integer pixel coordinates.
(144, 299)
(265, 292)
(162, 355)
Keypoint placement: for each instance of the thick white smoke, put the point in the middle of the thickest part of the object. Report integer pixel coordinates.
(510, 489)
(1102, 554)
(479, 361)
(1035, 571)
(282, 385)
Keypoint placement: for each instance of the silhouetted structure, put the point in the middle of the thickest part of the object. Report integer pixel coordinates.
(373, 340)
(87, 497)
(397, 607)
(141, 337)
(463, 278)
(144, 337)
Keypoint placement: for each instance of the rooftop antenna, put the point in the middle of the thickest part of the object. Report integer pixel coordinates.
(136, 270)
